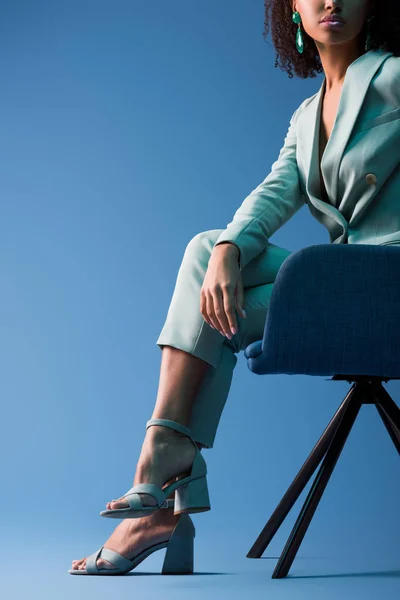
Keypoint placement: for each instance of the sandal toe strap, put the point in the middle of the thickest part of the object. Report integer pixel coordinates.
(116, 559)
(91, 566)
(135, 502)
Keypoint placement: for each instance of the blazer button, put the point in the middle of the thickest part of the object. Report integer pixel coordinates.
(371, 179)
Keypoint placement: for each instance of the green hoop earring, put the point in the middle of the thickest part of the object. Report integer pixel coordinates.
(299, 38)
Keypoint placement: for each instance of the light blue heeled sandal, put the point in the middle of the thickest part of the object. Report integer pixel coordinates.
(178, 558)
(191, 493)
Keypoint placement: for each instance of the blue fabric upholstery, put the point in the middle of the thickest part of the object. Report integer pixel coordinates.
(334, 309)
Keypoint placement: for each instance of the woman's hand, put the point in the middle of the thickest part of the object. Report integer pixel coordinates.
(222, 291)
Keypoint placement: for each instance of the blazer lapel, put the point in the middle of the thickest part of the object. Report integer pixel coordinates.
(355, 86)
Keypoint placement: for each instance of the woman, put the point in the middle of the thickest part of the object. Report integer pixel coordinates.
(224, 270)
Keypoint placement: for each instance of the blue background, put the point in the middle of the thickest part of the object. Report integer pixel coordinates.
(126, 129)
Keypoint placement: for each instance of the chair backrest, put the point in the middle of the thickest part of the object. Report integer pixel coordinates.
(334, 310)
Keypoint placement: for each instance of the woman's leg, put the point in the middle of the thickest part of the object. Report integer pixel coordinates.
(186, 329)
(197, 362)
(197, 366)
(181, 376)
(165, 452)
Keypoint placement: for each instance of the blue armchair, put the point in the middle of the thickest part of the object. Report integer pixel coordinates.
(334, 310)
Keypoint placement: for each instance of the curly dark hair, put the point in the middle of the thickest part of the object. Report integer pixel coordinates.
(384, 28)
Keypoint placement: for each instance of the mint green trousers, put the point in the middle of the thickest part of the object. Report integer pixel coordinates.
(186, 329)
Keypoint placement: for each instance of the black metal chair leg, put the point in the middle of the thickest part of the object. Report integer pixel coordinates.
(318, 487)
(300, 481)
(392, 430)
(389, 413)
(387, 403)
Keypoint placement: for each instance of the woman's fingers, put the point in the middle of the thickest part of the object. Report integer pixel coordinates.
(221, 311)
(222, 289)
(228, 311)
(211, 318)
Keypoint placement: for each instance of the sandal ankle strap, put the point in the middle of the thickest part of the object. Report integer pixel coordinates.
(171, 424)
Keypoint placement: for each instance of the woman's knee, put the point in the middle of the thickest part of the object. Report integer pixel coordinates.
(203, 241)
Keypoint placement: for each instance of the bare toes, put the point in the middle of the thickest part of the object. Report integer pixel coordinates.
(80, 565)
(147, 500)
(75, 563)
(121, 503)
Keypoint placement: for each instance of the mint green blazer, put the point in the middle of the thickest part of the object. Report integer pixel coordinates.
(360, 166)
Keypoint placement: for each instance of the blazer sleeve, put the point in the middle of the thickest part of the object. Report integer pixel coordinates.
(269, 206)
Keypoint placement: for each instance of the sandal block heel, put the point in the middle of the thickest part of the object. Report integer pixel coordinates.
(192, 497)
(178, 558)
